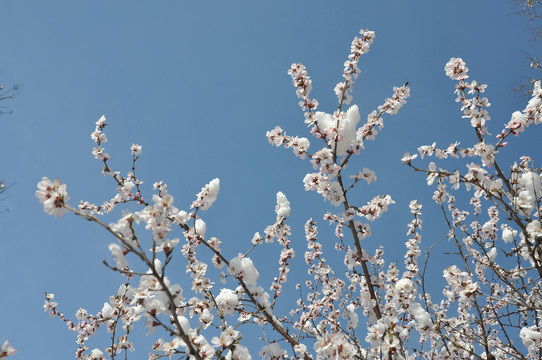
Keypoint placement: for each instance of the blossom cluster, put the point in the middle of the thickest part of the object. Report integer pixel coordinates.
(52, 196)
(359, 46)
(118, 311)
(7, 350)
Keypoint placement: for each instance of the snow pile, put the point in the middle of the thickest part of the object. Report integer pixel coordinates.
(283, 206)
(244, 269)
(347, 128)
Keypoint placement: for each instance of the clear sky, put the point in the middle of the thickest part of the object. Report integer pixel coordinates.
(198, 84)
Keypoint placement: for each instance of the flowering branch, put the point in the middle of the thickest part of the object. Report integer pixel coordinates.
(485, 305)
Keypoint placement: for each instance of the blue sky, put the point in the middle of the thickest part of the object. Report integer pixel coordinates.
(198, 84)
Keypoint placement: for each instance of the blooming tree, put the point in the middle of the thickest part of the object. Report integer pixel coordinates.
(365, 308)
